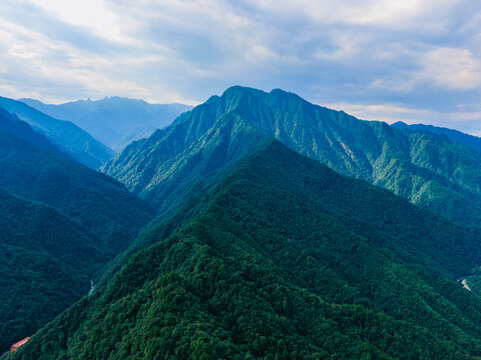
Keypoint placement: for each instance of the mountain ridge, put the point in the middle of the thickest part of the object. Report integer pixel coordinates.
(64, 134)
(113, 119)
(93, 199)
(425, 168)
(472, 141)
(60, 222)
(11, 123)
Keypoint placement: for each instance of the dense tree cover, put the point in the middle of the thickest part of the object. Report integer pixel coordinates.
(22, 130)
(46, 261)
(185, 181)
(60, 222)
(67, 136)
(113, 120)
(427, 169)
(287, 260)
(173, 174)
(101, 204)
(159, 229)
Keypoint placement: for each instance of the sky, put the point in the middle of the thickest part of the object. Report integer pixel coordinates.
(391, 60)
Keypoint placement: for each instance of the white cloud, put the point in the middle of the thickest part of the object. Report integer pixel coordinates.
(91, 14)
(391, 113)
(379, 13)
(452, 68)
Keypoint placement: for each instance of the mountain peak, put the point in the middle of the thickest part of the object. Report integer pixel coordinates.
(369, 150)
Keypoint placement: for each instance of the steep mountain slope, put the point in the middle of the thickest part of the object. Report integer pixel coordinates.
(184, 179)
(473, 142)
(425, 168)
(114, 118)
(46, 261)
(65, 222)
(140, 133)
(64, 134)
(177, 173)
(22, 130)
(288, 260)
(99, 203)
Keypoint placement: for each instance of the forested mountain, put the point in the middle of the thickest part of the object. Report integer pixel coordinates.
(99, 203)
(183, 178)
(59, 223)
(12, 124)
(140, 133)
(258, 251)
(114, 119)
(46, 262)
(286, 260)
(63, 134)
(472, 141)
(166, 172)
(427, 169)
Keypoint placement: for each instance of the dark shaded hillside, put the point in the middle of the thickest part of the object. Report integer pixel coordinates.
(113, 119)
(473, 142)
(288, 260)
(60, 222)
(427, 169)
(99, 203)
(22, 130)
(64, 134)
(46, 261)
(184, 177)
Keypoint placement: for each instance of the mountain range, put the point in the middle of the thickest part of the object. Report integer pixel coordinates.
(114, 121)
(429, 170)
(64, 134)
(257, 226)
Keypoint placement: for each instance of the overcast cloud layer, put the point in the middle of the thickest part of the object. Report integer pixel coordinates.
(410, 60)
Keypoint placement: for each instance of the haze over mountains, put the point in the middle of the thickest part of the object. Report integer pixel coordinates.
(64, 134)
(257, 225)
(114, 120)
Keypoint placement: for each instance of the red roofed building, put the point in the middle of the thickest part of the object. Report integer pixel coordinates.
(15, 346)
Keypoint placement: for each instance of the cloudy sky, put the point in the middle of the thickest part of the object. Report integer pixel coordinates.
(410, 60)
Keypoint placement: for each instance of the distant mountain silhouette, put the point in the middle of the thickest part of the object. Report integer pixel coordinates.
(472, 141)
(112, 120)
(11, 123)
